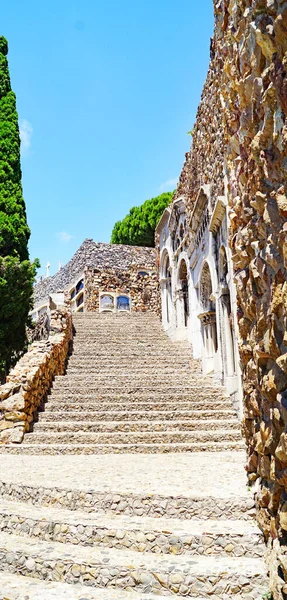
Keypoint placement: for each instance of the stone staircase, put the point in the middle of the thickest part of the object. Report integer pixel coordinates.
(158, 508)
(128, 388)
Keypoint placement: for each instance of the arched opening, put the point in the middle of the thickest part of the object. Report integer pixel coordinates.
(123, 303)
(107, 303)
(208, 320)
(183, 293)
(227, 332)
(166, 295)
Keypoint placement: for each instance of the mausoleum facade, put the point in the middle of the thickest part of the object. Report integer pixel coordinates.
(102, 278)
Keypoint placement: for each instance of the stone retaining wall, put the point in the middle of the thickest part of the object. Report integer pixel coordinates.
(30, 380)
(144, 291)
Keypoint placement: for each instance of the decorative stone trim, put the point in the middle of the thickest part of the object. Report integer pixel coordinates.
(30, 380)
(218, 214)
(207, 318)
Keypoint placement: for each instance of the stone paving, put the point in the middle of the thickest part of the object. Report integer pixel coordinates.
(130, 526)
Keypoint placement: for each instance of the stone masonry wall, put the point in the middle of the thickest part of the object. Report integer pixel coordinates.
(30, 380)
(144, 291)
(97, 255)
(254, 45)
(240, 146)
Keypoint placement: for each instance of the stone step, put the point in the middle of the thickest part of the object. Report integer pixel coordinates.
(145, 388)
(130, 485)
(127, 349)
(18, 587)
(141, 534)
(149, 573)
(134, 339)
(69, 402)
(133, 437)
(109, 346)
(149, 392)
(131, 426)
(50, 447)
(100, 416)
(110, 378)
(113, 348)
(117, 365)
(130, 371)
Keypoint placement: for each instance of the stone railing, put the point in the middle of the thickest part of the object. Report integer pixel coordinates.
(32, 377)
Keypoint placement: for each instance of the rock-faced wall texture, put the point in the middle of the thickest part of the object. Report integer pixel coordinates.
(240, 146)
(97, 255)
(30, 380)
(143, 289)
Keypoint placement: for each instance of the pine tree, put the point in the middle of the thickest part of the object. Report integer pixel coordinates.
(138, 227)
(16, 272)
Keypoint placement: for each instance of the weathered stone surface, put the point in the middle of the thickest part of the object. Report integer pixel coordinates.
(143, 291)
(30, 380)
(240, 145)
(104, 257)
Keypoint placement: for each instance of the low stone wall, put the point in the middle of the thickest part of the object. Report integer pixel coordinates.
(144, 291)
(31, 378)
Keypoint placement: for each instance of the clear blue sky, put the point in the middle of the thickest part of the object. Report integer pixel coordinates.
(106, 93)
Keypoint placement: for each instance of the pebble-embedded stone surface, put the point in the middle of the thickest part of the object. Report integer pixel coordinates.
(129, 526)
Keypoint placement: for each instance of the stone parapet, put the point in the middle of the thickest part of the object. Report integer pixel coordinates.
(31, 379)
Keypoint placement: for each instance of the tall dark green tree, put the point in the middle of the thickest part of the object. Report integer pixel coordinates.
(138, 227)
(16, 272)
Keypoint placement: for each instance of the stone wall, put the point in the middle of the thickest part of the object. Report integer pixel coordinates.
(240, 145)
(144, 291)
(97, 255)
(30, 380)
(254, 44)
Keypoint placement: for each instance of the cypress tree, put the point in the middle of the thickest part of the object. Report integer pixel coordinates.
(16, 272)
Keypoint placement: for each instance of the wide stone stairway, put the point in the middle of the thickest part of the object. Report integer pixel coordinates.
(128, 388)
(145, 492)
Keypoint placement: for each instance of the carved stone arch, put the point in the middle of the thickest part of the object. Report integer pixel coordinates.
(165, 265)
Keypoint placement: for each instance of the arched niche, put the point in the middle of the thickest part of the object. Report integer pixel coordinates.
(183, 293)
(227, 332)
(205, 290)
(166, 293)
(123, 303)
(207, 317)
(107, 302)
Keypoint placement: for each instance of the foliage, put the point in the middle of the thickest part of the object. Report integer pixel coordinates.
(138, 227)
(16, 288)
(16, 272)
